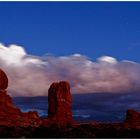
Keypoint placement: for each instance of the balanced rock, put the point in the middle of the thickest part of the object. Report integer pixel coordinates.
(10, 115)
(132, 118)
(3, 80)
(60, 104)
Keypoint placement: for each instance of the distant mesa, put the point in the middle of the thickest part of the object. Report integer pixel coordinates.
(60, 104)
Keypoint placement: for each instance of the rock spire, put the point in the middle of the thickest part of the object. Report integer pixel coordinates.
(60, 104)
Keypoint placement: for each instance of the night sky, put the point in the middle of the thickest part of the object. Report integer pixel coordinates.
(93, 29)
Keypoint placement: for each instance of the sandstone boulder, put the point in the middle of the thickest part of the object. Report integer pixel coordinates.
(3, 80)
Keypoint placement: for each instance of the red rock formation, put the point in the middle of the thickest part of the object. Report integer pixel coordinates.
(3, 80)
(132, 118)
(10, 115)
(60, 104)
(59, 111)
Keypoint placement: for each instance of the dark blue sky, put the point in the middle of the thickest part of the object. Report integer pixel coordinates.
(63, 28)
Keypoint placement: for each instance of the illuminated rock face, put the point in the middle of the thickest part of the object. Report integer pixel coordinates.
(10, 115)
(60, 104)
(132, 118)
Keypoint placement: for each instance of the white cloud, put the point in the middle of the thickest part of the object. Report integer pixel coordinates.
(12, 55)
(31, 75)
(107, 59)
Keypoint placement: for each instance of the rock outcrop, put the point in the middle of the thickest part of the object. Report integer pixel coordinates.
(10, 115)
(132, 118)
(59, 110)
(60, 104)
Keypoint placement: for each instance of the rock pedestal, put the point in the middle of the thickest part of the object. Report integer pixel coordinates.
(60, 104)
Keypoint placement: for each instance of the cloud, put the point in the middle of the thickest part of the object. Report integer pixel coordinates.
(32, 75)
(107, 59)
